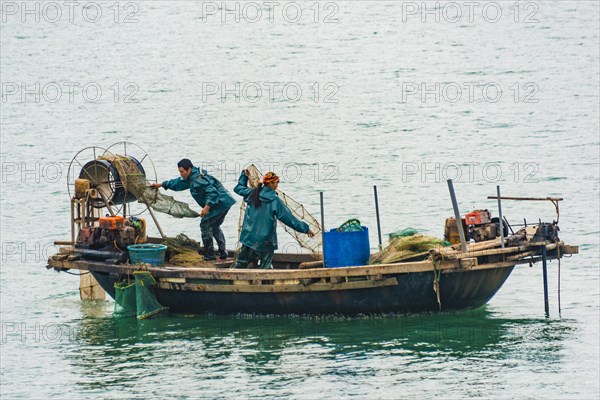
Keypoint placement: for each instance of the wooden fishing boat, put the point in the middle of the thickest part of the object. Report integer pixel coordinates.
(450, 280)
(466, 275)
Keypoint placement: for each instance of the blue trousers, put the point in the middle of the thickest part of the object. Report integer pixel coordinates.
(210, 227)
(250, 258)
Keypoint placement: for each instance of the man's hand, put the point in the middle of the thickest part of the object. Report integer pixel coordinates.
(204, 211)
(156, 185)
(310, 233)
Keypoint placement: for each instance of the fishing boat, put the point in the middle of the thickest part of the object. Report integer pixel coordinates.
(454, 281)
(465, 275)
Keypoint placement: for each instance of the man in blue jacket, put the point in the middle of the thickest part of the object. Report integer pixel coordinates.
(211, 195)
(259, 232)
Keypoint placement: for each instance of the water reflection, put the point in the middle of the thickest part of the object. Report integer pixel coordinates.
(262, 345)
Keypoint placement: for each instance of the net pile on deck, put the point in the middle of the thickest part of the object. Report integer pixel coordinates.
(314, 244)
(183, 251)
(406, 245)
(134, 181)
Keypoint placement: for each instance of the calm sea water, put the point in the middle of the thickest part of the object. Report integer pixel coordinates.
(350, 95)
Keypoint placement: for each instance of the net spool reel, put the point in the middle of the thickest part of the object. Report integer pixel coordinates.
(104, 177)
(98, 166)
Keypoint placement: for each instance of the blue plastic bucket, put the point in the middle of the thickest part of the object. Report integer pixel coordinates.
(153, 254)
(344, 249)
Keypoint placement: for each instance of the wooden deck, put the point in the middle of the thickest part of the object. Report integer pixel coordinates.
(449, 262)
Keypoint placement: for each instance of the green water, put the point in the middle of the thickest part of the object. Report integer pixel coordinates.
(475, 353)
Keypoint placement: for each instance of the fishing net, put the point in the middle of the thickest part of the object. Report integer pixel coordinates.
(409, 247)
(125, 299)
(136, 299)
(352, 225)
(403, 233)
(134, 181)
(145, 301)
(313, 244)
(183, 251)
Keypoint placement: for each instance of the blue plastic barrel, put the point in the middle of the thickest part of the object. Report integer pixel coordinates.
(344, 249)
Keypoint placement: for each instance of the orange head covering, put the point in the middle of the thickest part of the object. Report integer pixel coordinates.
(270, 177)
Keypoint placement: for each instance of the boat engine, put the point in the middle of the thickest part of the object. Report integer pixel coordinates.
(481, 226)
(478, 225)
(109, 240)
(113, 236)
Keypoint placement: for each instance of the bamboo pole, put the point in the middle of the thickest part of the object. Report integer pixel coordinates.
(162, 234)
(526, 198)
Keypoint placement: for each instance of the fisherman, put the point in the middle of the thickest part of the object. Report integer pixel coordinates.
(211, 195)
(263, 209)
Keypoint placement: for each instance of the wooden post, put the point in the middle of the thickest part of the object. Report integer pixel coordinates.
(89, 288)
(73, 220)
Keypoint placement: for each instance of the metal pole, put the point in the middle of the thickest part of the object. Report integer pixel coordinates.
(461, 232)
(322, 226)
(378, 222)
(545, 271)
(500, 219)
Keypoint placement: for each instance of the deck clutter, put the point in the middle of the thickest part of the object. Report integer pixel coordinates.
(413, 273)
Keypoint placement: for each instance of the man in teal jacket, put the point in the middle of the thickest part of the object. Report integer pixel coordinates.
(263, 209)
(211, 195)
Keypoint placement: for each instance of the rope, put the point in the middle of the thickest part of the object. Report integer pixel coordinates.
(436, 282)
(72, 273)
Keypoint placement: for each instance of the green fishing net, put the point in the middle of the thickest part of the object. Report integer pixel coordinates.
(403, 233)
(145, 301)
(125, 305)
(136, 299)
(352, 225)
(134, 181)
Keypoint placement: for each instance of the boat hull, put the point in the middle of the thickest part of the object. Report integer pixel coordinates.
(401, 293)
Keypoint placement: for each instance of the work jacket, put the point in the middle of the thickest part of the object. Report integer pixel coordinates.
(205, 189)
(260, 224)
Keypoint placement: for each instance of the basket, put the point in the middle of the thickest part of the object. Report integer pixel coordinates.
(153, 254)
